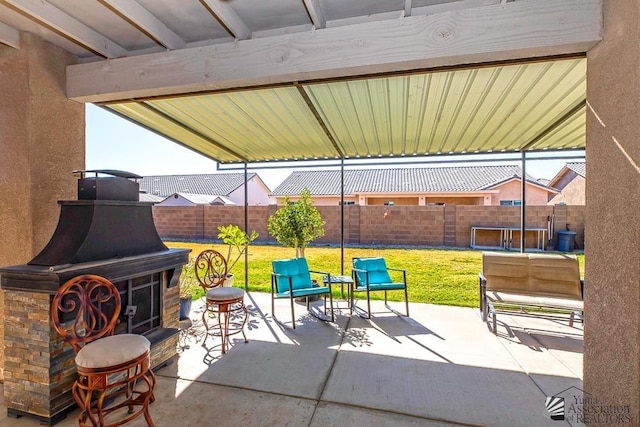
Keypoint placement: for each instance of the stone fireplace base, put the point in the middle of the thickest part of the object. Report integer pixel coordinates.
(40, 368)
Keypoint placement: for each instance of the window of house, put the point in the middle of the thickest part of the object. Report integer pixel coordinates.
(389, 203)
(347, 203)
(510, 202)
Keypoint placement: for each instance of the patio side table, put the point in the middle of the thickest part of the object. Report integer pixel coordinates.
(342, 280)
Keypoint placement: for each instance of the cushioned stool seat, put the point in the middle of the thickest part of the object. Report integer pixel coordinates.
(226, 304)
(224, 294)
(112, 351)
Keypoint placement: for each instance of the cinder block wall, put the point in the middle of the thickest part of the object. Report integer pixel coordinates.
(378, 225)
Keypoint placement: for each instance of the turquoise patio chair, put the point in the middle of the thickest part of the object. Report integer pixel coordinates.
(372, 274)
(291, 278)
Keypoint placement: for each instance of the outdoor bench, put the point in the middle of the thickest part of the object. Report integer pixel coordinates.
(530, 284)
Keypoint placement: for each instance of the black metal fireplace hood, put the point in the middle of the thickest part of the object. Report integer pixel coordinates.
(107, 231)
(105, 222)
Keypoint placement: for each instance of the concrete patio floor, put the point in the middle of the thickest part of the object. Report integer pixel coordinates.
(441, 366)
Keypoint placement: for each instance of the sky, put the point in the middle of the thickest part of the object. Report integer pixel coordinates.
(115, 143)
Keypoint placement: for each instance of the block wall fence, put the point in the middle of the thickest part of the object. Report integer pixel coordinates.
(430, 226)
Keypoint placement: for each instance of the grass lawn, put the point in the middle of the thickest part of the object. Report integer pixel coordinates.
(435, 276)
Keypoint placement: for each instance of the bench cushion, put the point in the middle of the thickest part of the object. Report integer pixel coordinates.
(506, 271)
(554, 275)
(536, 275)
(534, 301)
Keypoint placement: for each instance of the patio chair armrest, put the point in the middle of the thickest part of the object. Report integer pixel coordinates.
(275, 275)
(404, 273)
(323, 274)
(582, 289)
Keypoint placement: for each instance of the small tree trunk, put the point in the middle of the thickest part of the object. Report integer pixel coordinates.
(301, 250)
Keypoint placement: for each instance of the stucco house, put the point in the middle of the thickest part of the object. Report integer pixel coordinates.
(219, 188)
(188, 199)
(571, 182)
(464, 185)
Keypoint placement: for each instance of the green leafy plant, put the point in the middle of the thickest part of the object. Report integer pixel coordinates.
(188, 285)
(237, 241)
(296, 224)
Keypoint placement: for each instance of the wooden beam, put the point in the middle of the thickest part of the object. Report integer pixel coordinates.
(228, 17)
(67, 26)
(315, 13)
(9, 36)
(146, 22)
(454, 5)
(521, 29)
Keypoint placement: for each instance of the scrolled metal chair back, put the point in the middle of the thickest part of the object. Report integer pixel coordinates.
(210, 269)
(84, 309)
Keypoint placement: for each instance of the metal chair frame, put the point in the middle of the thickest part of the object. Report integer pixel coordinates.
(211, 272)
(274, 286)
(353, 288)
(83, 297)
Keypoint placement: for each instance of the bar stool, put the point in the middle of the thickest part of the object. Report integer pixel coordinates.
(85, 312)
(225, 303)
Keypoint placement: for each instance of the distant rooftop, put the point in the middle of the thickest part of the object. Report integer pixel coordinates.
(578, 167)
(400, 180)
(219, 184)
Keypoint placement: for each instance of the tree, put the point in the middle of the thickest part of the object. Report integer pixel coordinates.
(296, 224)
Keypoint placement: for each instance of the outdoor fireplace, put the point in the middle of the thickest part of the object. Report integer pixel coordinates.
(106, 232)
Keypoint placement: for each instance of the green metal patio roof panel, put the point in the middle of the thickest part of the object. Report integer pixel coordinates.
(489, 109)
(264, 125)
(532, 106)
(141, 114)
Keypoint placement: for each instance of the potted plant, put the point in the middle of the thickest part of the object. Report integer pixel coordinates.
(237, 241)
(189, 288)
(296, 224)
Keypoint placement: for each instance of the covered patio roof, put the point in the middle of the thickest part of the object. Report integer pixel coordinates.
(242, 81)
(533, 106)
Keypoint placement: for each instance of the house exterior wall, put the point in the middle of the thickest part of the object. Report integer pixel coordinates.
(41, 143)
(612, 276)
(511, 190)
(257, 192)
(397, 200)
(573, 190)
(176, 200)
(508, 191)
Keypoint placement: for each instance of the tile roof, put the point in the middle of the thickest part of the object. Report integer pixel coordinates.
(399, 180)
(578, 167)
(202, 199)
(144, 197)
(218, 184)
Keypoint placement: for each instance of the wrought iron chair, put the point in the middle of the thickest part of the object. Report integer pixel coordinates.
(85, 312)
(224, 303)
(291, 279)
(372, 274)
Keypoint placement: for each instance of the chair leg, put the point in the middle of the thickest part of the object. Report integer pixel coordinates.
(333, 319)
(406, 300)
(246, 316)
(273, 310)
(293, 315)
(350, 296)
(368, 305)
(571, 318)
